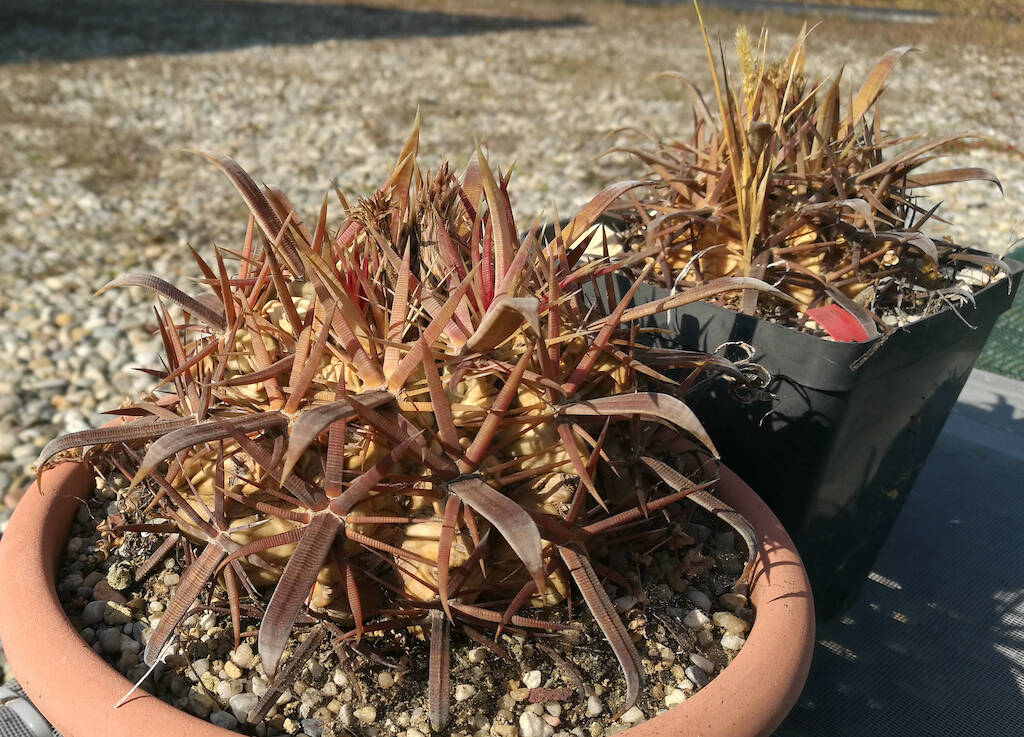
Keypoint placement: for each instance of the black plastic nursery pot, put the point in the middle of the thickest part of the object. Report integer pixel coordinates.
(837, 449)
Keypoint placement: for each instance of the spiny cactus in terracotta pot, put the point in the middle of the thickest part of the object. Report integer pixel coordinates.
(414, 422)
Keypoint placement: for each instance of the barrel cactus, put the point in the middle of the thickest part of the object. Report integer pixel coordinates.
(414, 421)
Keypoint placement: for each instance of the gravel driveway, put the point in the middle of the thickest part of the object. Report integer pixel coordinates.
(97, 105)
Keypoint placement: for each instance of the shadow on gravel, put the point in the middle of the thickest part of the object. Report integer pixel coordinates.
(37, 30)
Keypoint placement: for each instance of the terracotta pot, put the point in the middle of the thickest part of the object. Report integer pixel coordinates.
(76, 690)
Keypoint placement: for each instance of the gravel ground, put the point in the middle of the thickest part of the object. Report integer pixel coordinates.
(98, 103)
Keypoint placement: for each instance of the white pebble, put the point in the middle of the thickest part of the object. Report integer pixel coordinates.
(198, 668)
(464, 692)
(227, 689)
(533, 679)
(241, 704)
(695, 618)
(531, 725)
(365, 714)
(594, 706)
(633, 716)
(732, 624)
(674, 697)
(732, 642)
(242, 655)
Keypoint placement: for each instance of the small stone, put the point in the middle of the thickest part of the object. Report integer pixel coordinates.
(699, 598)
(533, 679)
(703, 663)
(117, 614)
(661, 592)
(224, 719)
(129, 644)
(109, 640)
(242, 655)
(209, 681)
(732, 601)
(241, 704)
(385, 679)
(464, 692)
(127, 662)
(365, 714)
(697, 676)
(695, 619)
(413, 732)
(519, 694)
(171, 579)
(103, 591)
(553, 708)
(633, 715)
(259, 686)
(505, 730)
(666, 655)
(93, 612)
(198, 668)
(312, 727)
(531, 725)
(704, 637)
(674, 697)
(677, 582)
(227, 689)
(291, 726)
(63, 319)
(208, 622)
(594, 706)
(120, 576)
(231, 670)
(624, 603)
(732, 624)
(732, 642)
(200, 703)
(477, 655)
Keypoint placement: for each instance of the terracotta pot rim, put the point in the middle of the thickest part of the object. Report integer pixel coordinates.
(76, 690)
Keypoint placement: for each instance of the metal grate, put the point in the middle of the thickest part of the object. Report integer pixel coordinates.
(1004, 351)
(18, 717)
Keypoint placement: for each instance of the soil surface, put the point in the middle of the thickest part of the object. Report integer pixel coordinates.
(675, 599)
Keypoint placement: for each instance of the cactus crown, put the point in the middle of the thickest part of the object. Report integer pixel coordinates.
(779, 181)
